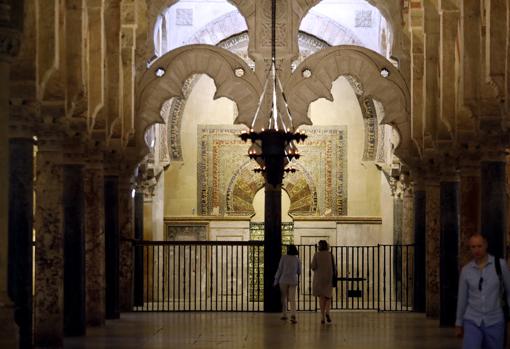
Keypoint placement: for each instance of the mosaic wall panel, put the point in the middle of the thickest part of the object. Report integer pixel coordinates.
(227, 185)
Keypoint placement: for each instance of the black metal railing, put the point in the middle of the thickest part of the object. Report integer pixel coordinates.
(199, 276)
(228, 276)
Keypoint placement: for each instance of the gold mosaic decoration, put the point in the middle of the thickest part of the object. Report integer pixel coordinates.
(227, 184)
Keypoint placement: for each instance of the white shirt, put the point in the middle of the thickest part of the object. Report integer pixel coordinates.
(288, 270)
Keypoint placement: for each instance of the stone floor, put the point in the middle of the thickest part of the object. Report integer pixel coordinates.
(258, 330)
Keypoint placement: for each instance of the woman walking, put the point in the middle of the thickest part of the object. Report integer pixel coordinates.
(286, 277)
(324, 270)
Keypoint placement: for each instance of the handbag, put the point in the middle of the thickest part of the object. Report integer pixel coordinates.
(334, 278)
(502, 291)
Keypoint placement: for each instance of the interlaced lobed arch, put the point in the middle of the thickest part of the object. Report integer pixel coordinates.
(366, 66)
(232, 77)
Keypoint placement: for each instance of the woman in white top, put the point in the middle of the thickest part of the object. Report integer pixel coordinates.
(287, 277)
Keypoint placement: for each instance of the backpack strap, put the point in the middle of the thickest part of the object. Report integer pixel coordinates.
(502, 288)
(498, 271)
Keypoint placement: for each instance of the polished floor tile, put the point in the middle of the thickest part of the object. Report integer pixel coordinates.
(258, 330)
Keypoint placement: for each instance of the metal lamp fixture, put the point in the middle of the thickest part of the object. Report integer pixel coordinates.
(274, 147)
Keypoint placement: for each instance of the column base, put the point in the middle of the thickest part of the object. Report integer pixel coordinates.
(9, 331)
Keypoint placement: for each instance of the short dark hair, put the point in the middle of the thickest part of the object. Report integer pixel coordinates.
(477, 235)
(323, 245)
(292, 250)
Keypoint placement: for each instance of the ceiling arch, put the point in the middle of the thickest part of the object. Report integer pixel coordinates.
(156, 7)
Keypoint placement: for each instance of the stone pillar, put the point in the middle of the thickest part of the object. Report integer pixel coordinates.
(21, 195)
(126, 224)
(111, 202)
(94, 242)
(74, 251)
(420, 275)
(8, 49)
(432, 248)
(272, 245)
(138, 267)
(407, 241)
(449, 270)
(469, 209)
(397, 240)
(49, 248)
(493, 203)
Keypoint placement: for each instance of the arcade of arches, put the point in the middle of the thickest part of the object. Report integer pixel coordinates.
(119, 121)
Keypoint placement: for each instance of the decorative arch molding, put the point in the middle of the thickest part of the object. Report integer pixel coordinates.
(219, 29)
(365, 66)
(314, 24)
(178, 65)
(391, 10)
(244, 185)
(156, 7)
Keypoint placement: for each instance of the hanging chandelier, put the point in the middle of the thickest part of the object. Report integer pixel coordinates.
(274, 146)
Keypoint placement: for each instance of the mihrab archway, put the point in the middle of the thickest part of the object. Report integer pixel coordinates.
(244, 185)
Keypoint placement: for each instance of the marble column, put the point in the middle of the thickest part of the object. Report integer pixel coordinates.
(94, 242)
(272, 245)
(449, 271)
(21, 195)
(469, 209)
(493, 204)
(74, 251)
(407, 249)
(8, 49)
(397, 240)
(111, 202)
(49, 248)
(420, 275)
(138, 267)
(126, 224)
(432, 246)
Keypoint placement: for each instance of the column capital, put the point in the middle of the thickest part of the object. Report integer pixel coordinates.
(49, 143)
(469, 166)
(23, 115)
(495, 153)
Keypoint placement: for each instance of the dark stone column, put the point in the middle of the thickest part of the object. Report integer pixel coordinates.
(138, 282)
(49, 249)
(272, 245)
(419, 249)
(469, 210)
(449, 271)
(74, 252)
(432, 223)
(126, 231)
(94, 242)
(111, 200)
(493, 205)
(21, 195)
